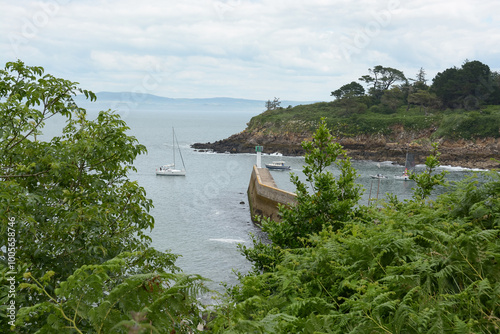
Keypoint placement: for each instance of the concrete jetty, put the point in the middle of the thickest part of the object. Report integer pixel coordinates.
(264, 195)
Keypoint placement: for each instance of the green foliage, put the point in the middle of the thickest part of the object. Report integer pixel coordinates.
(470, 125)
(349, 90)
(392, 99)
(426, 181)
(75, 212)
(379, 119)
(115, 296)
(72, 193)
(417, 269)
(382, 79)
(388, 105)
(425, 99)
(403, 267)
(467, 87)
(322, 200)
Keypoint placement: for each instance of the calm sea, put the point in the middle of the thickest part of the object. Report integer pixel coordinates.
(204, 215)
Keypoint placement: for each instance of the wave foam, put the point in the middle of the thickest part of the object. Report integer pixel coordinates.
(229, 241)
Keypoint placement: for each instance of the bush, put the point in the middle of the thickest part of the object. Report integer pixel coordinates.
(469, 125)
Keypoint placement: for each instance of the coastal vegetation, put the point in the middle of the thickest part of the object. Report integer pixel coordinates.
(75, 257)
(418, 266)
(384, 114)
(460, 103)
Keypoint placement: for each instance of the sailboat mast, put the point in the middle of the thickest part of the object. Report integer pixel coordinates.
(173, 144)
(180, 153)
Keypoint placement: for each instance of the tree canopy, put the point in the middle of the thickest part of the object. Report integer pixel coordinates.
(381, 79)
(273, 105)
(82, 257)
(349, 90)
(467, 87)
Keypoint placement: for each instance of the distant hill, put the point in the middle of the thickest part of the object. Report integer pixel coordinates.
(466, 138)
(115, 99)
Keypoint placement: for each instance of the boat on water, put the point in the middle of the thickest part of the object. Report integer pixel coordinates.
(277, 165)
(409, 166)
(170, 169)
(378, 176)
(404, 177)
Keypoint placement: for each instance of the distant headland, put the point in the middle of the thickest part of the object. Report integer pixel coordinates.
(395, 114)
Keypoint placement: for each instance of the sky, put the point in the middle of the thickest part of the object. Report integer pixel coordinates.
(299, 50)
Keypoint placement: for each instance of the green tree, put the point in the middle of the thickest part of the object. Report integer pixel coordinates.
(381, 79)
(349, 95)
(494, 88)
(445, 85)
(273, 105)
(424, 99)
(72, 192)
(71, 200)
(467, 87)
(420, 81)
(428, 180)
(392, 99)
(323, 200)
(349, 90)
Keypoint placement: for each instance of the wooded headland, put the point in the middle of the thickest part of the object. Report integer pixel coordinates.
(395, 115)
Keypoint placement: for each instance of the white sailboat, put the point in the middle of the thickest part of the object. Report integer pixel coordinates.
(409, 166)
(170, 169)
(404, 177)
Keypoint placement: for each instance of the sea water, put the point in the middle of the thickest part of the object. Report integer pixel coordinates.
(204, 215)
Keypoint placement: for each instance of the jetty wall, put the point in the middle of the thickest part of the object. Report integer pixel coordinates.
(264, 195)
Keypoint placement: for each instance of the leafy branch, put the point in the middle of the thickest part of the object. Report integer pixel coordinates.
(427, 181)
(59, 305)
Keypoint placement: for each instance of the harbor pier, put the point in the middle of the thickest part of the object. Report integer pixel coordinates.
(264, 195)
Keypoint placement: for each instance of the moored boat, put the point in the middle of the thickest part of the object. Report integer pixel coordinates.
(409, 166)
(169, 169)
(404, 177)
(278, 165)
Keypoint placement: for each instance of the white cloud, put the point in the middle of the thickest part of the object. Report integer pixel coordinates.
(293, 49)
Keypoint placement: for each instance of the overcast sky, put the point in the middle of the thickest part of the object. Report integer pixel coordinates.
(257, 49)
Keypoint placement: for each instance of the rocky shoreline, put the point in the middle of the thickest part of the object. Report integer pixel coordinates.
(477, 153)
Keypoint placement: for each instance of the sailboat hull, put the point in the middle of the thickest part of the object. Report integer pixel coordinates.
(171, 172)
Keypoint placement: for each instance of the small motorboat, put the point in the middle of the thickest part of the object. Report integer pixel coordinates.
(278, 165)
(378, 176)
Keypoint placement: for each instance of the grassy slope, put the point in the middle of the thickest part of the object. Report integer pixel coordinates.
(449, 124)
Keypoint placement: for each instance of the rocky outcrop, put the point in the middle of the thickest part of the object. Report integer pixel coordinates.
(245, 142)
(478, 153)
